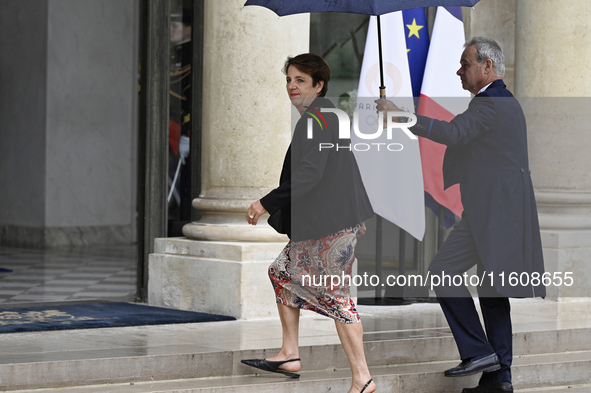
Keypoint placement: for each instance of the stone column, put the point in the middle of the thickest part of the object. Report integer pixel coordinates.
(246, 132)
(552, 80)
(495, 19)
(246, 115)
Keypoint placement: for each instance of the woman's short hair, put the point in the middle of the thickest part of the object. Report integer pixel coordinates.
(488, 48)
(313, 65)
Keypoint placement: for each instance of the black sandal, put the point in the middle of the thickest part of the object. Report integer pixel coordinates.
(272, 366)
(366, 385)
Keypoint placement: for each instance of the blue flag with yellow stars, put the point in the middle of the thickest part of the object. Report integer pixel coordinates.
(417, 45)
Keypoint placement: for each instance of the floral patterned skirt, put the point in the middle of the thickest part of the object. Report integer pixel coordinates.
(315, 275)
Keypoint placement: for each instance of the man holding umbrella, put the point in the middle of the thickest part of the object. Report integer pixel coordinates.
(499, 231)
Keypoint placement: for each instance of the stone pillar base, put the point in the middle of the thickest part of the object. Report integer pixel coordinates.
(225, 219)
(228, 278)
(568, 251)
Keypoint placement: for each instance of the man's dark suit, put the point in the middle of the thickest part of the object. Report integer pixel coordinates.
(499, 232)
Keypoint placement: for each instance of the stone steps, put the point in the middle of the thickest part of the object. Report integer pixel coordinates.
(559, 389)
(542, 359)
(562, 372)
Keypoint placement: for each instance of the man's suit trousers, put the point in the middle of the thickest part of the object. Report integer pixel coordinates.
(457, 255)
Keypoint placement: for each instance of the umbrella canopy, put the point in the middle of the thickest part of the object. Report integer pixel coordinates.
(368, 7)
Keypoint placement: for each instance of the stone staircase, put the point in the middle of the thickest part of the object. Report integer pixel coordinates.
(545, 361)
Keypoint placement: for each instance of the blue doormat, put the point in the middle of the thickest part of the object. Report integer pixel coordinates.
(88, 316)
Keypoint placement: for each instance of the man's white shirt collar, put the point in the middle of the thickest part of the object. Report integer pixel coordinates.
(484, 88)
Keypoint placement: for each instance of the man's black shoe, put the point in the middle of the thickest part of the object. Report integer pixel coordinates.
(468, 367)
(504, 387)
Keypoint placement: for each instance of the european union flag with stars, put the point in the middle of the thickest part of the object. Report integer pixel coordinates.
(417, 45)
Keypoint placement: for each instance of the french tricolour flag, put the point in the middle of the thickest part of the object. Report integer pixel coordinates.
(390, 166)
(442, 98)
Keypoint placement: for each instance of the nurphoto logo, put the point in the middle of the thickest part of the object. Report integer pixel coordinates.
(345, 129)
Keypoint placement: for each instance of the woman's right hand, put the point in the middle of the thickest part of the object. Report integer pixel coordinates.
(254, 212)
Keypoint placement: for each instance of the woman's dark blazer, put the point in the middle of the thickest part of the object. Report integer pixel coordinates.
(487, 155)
(320, 189)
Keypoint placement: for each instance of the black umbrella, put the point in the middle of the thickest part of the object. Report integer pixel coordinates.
(366, 7)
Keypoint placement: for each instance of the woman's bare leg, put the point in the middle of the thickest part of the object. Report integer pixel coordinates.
(351, 336)
(290, 325)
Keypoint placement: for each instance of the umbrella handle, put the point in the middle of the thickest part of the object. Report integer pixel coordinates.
(382, 87)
